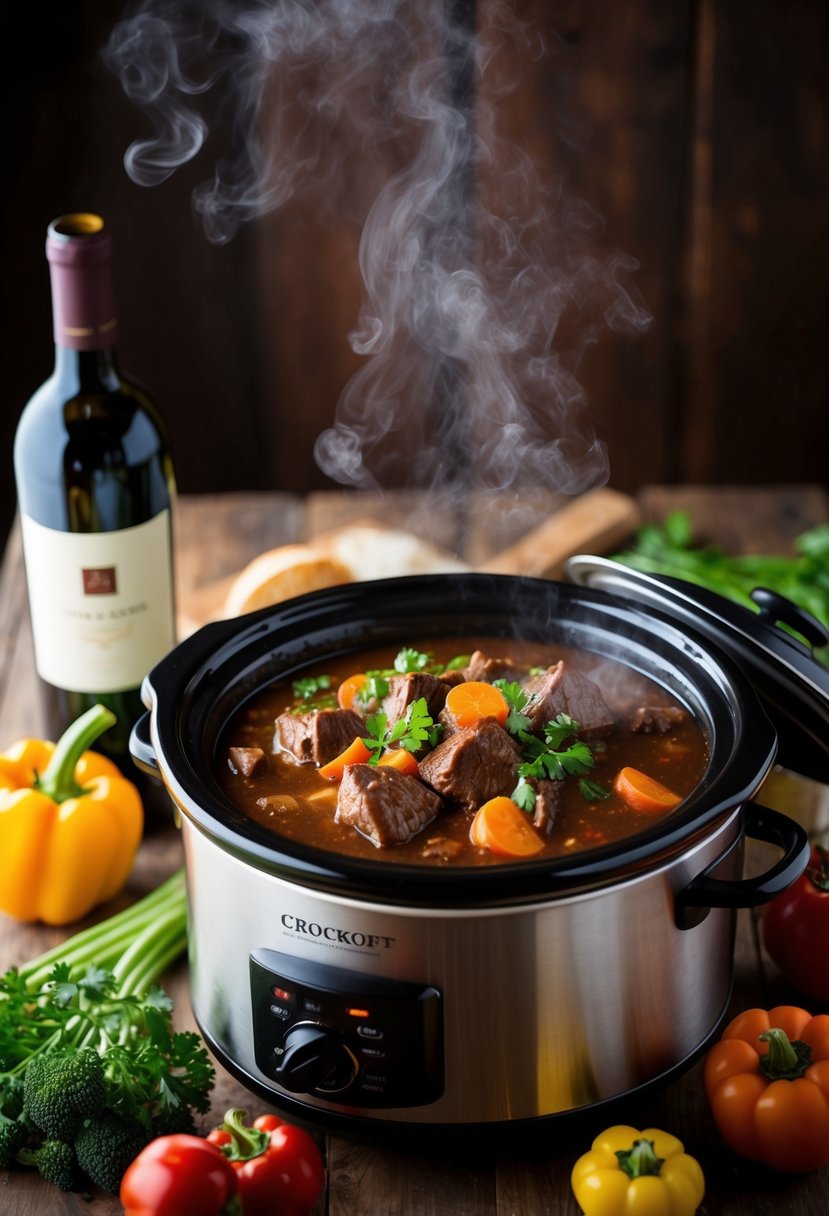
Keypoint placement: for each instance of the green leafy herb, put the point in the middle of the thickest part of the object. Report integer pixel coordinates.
(524, 795)
(455, 664)
(408, 659)
(668, 549)
(546, 759)
(307, 692)
(91, 1010)
(376, 687)
(592, 791)
(556, 764)
(411, 731)
(517, 700)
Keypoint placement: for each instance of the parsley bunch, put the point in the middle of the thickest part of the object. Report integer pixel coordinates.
(546, 758)
(406, 661)
(669, 549)
(411, 731)
(87, 1043)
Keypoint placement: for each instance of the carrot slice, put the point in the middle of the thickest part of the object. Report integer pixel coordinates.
(503, 828)
(400, 759)
(355, 753)
(349, 688)
(473, 700)
(642, 793)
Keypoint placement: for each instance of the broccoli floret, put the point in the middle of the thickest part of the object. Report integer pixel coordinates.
(62, 1088)
(55, 1161)
(11, 1095)
(105, 1146)
(174, 1120)
(12, 1137)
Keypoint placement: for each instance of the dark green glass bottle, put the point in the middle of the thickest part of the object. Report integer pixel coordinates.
(95, 490)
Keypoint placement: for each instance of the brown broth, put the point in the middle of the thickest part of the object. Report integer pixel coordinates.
(302, 803)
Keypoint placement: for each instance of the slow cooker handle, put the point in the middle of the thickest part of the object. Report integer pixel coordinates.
(693, 903)
(141, 747)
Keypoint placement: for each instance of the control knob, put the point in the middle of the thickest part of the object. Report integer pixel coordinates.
(313, 1057)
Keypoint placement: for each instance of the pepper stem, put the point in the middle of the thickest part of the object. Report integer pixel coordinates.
(57, 780)
(245, 1142)
(786, 1059)
(640, 1160)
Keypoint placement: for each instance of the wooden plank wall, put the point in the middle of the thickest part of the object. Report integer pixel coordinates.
(695, 131)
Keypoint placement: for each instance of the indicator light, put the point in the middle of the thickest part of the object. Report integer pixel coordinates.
(282, 994)
(357, 1013)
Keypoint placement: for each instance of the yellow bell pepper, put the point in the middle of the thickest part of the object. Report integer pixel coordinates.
(70, 825)
(633, 1173)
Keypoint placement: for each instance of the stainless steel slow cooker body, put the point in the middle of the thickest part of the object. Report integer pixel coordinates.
(360, 992)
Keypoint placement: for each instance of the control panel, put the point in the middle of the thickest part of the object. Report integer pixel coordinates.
(336, 1034)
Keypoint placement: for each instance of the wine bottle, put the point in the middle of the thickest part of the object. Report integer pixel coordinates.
(95, 493)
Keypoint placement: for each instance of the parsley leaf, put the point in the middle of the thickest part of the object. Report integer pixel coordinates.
(307, 690)
(408, 659)
(524, 796)
(517, 700)
(459, 661)
(411, 731)
(556, 731)
(592, 791)
(546, 759)
(375, 688)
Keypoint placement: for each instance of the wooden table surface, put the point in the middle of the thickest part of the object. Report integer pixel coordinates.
(510, 1175)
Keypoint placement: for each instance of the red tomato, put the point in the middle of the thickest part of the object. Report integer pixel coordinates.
(286, 1175)
(796, 928)
(180, 1176)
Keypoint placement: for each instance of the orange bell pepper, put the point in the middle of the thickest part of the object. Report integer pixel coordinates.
(70, 825)
(767, 1083)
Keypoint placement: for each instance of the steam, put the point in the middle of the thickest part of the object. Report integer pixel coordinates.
(483, 281)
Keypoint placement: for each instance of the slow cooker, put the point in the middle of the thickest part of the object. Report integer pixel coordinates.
(357, 994)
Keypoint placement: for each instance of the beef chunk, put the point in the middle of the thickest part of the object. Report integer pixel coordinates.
(383, 804)
(451, 677)
(317, 737)
(482, 667)
(473, 764)
(246, 760)
(403, 690)
(657, 719)
(563, 689)
(547, 795)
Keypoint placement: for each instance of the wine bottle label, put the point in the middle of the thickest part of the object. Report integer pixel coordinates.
(101, 603)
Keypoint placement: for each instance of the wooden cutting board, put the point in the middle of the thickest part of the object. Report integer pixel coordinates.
(597, 522)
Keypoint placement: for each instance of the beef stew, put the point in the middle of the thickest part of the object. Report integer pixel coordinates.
(576, 749)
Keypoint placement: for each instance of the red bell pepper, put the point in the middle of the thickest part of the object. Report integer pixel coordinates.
(180, 1175)
(278, 1165)
(796, 928)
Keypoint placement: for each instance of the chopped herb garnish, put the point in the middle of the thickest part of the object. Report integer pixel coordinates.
(517, 700)
(555, 765)
(546, 759)
(524, 795)
(411, 731)
(408, 659)
(592, 791)
(459, 661)
(376, 687)
(307, 692)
